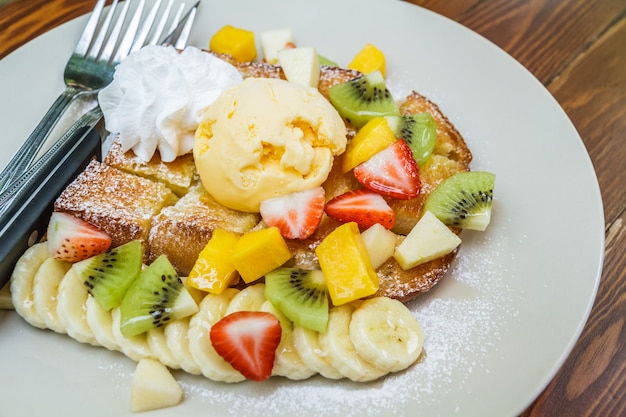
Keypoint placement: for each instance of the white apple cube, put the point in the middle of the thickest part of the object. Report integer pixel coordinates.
(429, 239)
(153, 387)
(380, 244)
(300, 65)
(273, 41)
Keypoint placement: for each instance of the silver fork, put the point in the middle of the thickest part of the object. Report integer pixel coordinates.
(91, 67)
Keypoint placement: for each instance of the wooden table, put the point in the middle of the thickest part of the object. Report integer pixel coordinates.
(577, 49)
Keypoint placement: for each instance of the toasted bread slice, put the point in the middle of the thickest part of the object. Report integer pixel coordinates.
(117, 202)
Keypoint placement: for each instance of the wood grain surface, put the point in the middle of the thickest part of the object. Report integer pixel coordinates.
(577, 49)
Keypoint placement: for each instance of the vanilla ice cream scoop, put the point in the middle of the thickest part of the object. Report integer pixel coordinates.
(265, 138)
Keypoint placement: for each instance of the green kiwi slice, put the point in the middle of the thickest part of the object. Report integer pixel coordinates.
(463, 200)
(419, 131)
(363, 98)
(108, 275)
(154, 299)
(301, 295)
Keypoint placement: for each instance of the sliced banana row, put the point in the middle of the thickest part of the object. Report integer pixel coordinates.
(364, 340)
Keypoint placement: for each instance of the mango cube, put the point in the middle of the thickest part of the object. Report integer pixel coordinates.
(259, 252)
(344, 260)
(213, 271)
(372, 138)
(234, 41)
(369, 59)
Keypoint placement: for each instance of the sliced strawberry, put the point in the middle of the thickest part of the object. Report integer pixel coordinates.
(296, 215)
(362, 206)
(72, 239)
(392, 172)
(248, 341)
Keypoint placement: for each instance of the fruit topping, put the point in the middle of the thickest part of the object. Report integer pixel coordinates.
(155, 298)
(419, 131)
(273, 41)
(300, 65)
(428, 240)
(259, 252)
(248, 340)
(239, 43)
(363, 98)
(380, 243)
(153, 387)
(346, 265)
(391, 172)
(362, 206)
(463, 200)
(213, 271)
(71, 239)
(372, 138)
(368, 59)
(296, 215)
(301, 295)
(108, 275)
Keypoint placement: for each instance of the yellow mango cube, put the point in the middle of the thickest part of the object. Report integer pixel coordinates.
(372, 138)
(234, 41)
(369, 59)
(259, 252)
(344, 260)
(213, 271)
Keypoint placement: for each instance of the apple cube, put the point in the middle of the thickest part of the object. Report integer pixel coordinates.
(380, 243)
(429, 239)
(273, 41)
(153, 387)
(300, 65)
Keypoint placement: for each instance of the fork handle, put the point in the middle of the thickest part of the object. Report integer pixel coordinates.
(27, 152)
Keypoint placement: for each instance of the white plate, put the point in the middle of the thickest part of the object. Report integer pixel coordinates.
(497, 328)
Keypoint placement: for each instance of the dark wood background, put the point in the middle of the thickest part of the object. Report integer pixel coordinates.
(577, 49)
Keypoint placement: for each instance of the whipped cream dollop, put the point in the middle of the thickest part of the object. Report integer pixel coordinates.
(158, 96)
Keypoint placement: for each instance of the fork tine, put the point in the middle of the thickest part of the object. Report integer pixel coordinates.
(146, 26)
(107, 52)
(176, 19)
(180, 36)
(102, 32)
(90, 29)
(124, 47)
(156, 35)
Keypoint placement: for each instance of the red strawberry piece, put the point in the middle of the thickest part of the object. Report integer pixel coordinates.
(362, 206)
(248, 341)
(296, 215)
(72, 239)
(392, 172)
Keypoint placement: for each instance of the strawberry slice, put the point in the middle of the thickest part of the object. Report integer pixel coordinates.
(296, 215)
(392, 172)
(72, 239)
(248, 341)
(365, 207)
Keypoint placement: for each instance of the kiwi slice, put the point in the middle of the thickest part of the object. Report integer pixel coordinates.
(301, 295)
(363, 98)
(463, 200)
(154, 299)
(419, 131)
(108, 275)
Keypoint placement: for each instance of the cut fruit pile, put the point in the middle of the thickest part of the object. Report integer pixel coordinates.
(243, 312)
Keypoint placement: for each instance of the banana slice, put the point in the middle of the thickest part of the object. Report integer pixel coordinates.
(385, 333)
(101, 324)
(211, 309)
(288, 362)
(135, 347)
(22, 283)
(341, 352)
(308, 346)
(178, 344)
(249, 299)
(158, 345)
(45, 289)
(71, 308)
